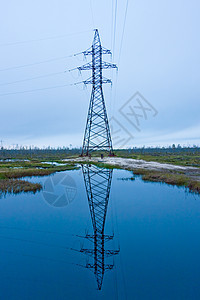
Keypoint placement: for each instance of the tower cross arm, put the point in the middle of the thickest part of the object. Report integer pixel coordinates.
(106, 65)
(104, 80)
(103, 51)
(93, 266)
(87, 66)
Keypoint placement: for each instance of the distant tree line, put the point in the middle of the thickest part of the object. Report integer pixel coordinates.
(37, 153)
(64, 152)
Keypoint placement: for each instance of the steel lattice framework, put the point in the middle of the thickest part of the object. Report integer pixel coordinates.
(98, 183)
(97, 132)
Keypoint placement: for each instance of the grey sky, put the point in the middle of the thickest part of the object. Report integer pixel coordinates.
(159, 58)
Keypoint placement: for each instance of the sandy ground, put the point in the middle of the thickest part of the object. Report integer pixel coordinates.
(129, 163)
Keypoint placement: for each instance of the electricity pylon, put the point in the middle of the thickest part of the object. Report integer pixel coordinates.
(97, 132)
(98, 183)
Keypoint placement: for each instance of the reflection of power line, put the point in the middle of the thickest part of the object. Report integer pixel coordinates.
(35, 256)
(98, 183)
(33, 242)
(41, 281)
(36, 230)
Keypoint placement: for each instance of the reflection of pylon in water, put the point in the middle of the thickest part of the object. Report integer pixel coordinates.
(98, 183)
(70, 187)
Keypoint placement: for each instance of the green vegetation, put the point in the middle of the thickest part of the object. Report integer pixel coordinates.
(39, 162)
(11, 171)
(177, 155)
(18, 173)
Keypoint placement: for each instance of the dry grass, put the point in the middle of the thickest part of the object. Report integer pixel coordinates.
(171, 178)
(16, 186)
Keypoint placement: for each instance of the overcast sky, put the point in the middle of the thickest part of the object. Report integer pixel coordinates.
(159, 59)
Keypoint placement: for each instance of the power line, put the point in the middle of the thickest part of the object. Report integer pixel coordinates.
(92, 14)
(115, 24)
(120, 49)
(39, 62)
(32, 78)
(112, 25)
(124, 24)
(112, 21)
(42, 39)
(35, 90)
(113, 50)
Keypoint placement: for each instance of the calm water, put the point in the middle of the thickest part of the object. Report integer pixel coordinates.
(92, 235)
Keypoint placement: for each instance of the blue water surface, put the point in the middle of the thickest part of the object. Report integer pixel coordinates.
(47, 247)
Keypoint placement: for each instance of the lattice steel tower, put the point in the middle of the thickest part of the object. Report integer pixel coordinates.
(97, 132)
(98, 183)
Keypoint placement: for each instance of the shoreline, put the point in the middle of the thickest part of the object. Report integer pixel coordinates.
(186, 176)
(189, 177)
(12, 177)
